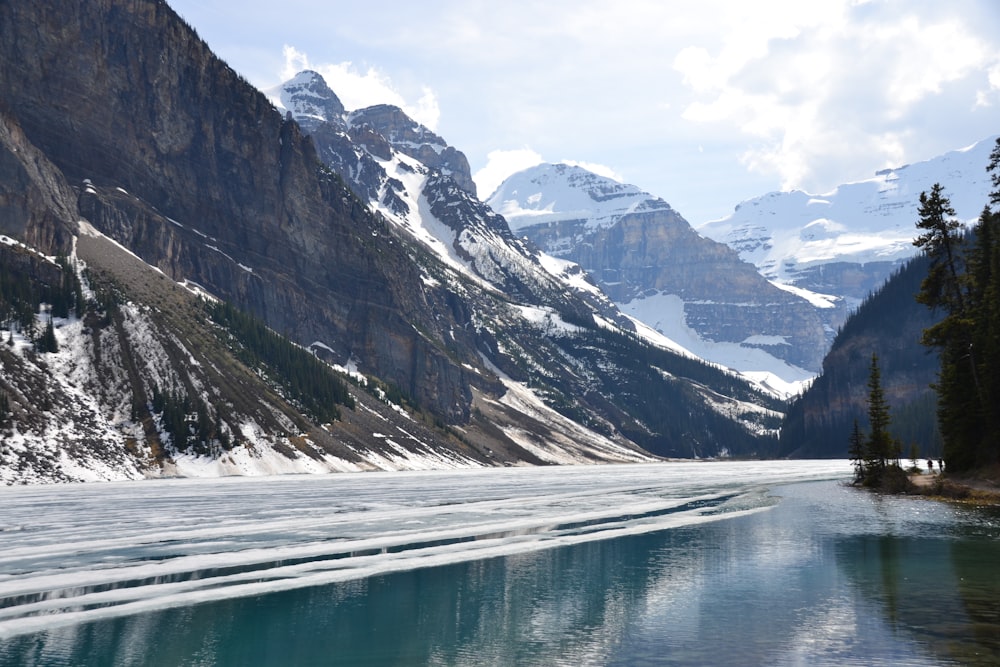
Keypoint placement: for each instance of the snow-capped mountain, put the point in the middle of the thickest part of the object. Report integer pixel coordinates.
(310, 101)
(559, 193)
(846, 242)
(648, 259)
(414, 179)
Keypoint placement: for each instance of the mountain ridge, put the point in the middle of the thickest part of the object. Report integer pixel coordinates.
(846, 242)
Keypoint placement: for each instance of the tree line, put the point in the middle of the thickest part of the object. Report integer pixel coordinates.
(21, 296)
(962, 286)
(962, 289)
(305, 379)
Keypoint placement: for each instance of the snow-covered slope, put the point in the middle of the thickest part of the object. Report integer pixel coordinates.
(846, 242)
(689, 289)
(409, 176)
(562, 192)
(307, 97)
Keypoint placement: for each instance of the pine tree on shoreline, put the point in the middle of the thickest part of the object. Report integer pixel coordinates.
(876, 456)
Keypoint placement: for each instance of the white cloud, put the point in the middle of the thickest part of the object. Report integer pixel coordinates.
(357, 90)
(818, 95)
(986, 98)
(500, 164)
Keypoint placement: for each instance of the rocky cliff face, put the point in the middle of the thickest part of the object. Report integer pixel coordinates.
(639, 249)
(36, 203)
(426, 204)
(415, 140)
(222, 190)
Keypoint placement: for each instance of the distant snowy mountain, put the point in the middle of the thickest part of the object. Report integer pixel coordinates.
(557, 193)
(846, 242)
(648, 259)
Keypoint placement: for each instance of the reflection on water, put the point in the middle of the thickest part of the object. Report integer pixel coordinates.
(828, 576)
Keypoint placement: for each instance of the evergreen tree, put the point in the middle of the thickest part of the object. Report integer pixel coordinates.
(880, 448)
(988, 329)
(965, 288)
(856, 451)
(941, 240)
(994, 171)
(47, 339)
(877, 457)
(984, 297)
(946, 290)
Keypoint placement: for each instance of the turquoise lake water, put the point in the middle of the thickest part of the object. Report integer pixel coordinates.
(672, 564)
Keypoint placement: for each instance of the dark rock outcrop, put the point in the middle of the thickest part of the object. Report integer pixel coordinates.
(36, 204)
(415, 140)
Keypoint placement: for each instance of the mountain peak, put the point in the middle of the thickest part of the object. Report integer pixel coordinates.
(550, 192)
(309, 99)
(392, 122)
(411, 138)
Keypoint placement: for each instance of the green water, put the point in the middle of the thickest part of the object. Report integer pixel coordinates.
(828, 576)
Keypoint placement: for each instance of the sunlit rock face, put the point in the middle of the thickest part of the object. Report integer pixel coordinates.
(637, 247)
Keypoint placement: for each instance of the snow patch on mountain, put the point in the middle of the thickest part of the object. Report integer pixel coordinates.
(815, 298)
(567, 443)
(308, 98)
(664, 313)
(417, 219)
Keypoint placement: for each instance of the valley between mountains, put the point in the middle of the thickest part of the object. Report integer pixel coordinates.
(188, 263)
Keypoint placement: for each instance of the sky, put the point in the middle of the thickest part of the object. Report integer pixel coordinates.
(704, 103)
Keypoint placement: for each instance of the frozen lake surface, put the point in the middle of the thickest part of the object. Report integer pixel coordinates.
(670, 563)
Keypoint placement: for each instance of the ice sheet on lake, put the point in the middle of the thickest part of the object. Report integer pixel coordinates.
(72, 554)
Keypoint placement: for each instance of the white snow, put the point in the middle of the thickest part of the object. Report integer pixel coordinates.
(222, 539)
(867, 221)
(292, 96)
(567, 443)
(559, 192)
(419, 221)
(664, 313)
(547, 320)
(815, 298)
(569, 273)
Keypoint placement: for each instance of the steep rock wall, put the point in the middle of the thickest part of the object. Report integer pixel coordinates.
(126, 95)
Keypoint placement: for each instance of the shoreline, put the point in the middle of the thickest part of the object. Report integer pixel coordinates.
(941, 486)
